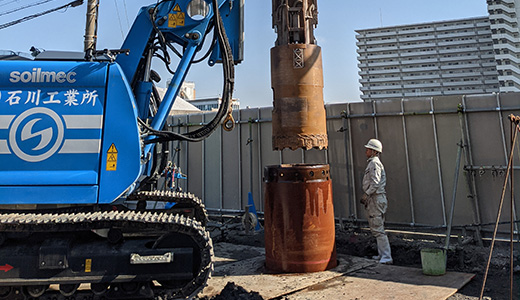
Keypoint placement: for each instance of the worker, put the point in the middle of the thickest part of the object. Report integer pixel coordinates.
(374, 199)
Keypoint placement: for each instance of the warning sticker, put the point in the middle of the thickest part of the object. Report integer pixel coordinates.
(177, 18)
(112, 158)
(88, 265)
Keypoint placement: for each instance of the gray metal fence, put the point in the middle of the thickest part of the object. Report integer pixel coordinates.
(421, 138)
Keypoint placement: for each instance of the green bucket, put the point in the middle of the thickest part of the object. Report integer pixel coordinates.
(433, 261)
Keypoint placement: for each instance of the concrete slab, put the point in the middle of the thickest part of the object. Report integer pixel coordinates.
(354, 278)
(381, 282)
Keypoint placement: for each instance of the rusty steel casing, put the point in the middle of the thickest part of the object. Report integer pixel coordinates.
(299, 119)
(299, 218)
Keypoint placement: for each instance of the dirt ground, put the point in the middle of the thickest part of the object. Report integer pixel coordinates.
(464, 256)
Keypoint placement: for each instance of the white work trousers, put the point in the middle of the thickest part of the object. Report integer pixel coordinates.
(376, 209)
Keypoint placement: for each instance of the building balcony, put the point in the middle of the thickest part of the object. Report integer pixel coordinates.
(508, 89)
(455, 42)
(417, 53)
(456, 35)
(491, 82)
(421, 69)
(418, 45)
(458, 50)
(384, 79)
(380, 49)
(384, 64)
(512, 78)
(418, 61)
(489, 64)
(507, 46)
(508, 56)
(381, 87)
(462, 83)
(375, 34)
(460, 66)
(502, 16)
(383, 96)
(501, 6)
(455, 27)
(416, 38)
(501, 36)
(508, 27)
(422, 85)
(381, 56)
(459, 58)
(420, 77)
(463, 92)
(483, 24)
(380, 42)
(383, 71)
(490, 73)
(459, 75)
(422, 30)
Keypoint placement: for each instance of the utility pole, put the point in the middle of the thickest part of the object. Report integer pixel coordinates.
(91, 28)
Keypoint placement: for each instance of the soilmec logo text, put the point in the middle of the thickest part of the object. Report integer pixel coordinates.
(37, 76)
(36, 134)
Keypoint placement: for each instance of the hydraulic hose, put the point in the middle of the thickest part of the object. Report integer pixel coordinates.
(227, 93)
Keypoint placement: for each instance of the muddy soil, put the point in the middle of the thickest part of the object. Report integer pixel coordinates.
(464, 256)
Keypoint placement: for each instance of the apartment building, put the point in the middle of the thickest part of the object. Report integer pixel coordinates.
(466, 56)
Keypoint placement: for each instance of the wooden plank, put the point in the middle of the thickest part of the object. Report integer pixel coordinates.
(252, 275)
(354, 278)
(382, 282)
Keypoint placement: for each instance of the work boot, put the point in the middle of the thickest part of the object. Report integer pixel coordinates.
(383, 247)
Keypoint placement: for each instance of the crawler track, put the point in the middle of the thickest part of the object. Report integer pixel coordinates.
(147, 224)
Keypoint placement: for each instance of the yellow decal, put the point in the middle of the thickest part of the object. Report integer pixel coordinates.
(112, 158)
(88, 265)
(180, 19)
(176, 19)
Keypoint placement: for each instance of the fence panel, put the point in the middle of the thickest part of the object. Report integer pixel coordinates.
(421, 138)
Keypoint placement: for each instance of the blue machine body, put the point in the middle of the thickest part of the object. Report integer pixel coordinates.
(61, 126)
(68, 129)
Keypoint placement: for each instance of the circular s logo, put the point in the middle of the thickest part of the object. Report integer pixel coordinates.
(36, 134)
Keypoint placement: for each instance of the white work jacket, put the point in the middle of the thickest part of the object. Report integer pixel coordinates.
(374, 181)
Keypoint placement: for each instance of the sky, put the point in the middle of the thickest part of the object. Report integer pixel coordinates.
(337, 22)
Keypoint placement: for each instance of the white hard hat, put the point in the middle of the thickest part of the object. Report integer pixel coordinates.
(374, 145)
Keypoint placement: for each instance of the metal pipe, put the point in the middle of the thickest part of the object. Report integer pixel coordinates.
(239, 146)
(250, 143)
(476, 168)
(351, 158)
(376, 129)
(346, 133)
(511, 206)
(437, 155)
(454, 195)
(203, 171)
(468, 158)
(221, 168)
(260, 163)
(407, 154)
